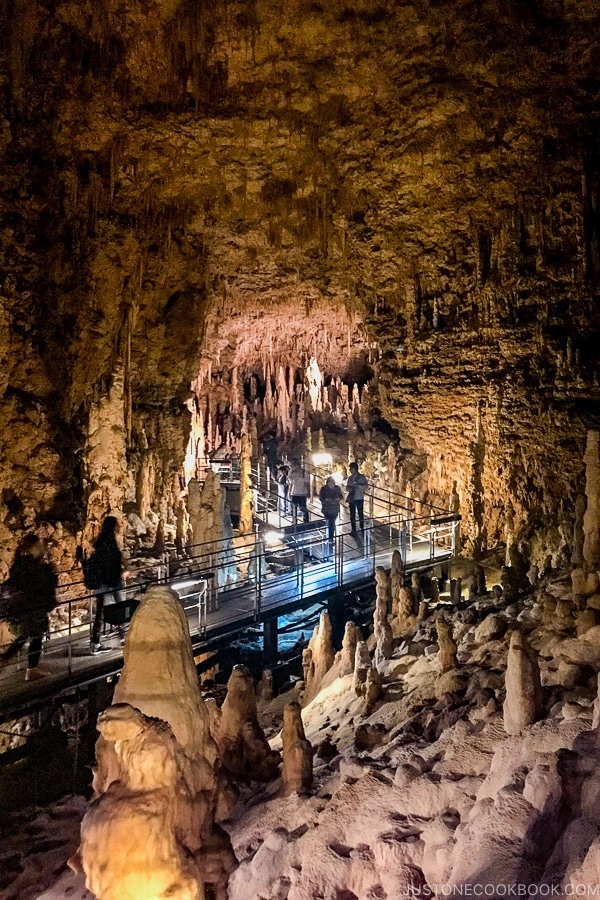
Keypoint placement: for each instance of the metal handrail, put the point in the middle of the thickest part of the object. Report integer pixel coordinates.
(313, 571)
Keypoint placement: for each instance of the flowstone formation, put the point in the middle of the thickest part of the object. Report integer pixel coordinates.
(156, 739)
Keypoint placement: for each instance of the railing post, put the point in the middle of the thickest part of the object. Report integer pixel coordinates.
(341, 560)
(431, 540)
(70, 651)
(372, 539)
(258, 557)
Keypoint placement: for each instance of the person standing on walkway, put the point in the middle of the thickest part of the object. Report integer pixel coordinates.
(356, 486)
(299, 490)
(105, 566)
(283, 487)
(331, 497)
(32, 583)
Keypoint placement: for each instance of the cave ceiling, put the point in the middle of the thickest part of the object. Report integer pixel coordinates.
(424, 175)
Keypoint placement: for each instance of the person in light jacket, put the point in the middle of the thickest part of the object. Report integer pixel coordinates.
(356, 486)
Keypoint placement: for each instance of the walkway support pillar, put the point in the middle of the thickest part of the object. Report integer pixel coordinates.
(271, 639)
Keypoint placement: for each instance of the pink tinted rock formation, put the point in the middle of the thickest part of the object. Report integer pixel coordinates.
(523, 703)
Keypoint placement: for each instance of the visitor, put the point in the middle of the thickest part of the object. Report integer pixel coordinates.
(356, 487)
(283, 487)
(298, 492)
(32, 585)
(331, 497)
(271, 454)
(106, 564)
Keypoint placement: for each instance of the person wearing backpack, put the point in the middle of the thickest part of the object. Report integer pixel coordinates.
(103, 573)
(32, 583)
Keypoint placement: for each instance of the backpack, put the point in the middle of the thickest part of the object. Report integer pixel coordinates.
(92, 571)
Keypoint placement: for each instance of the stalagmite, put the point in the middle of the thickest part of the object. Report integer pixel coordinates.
(211, 526)
(347, 654)
(591, 518)
(415, 584)
(435, 590)
(242, 745)
(131, 848)
(381, 627)
(523, 703)
(246, 501)
(297, 770)
(447, 651)
(373, 689)
(362, 665)
(396, 581)
(159, 680)
(321, 658)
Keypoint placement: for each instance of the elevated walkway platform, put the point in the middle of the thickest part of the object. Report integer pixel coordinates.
(226, 587)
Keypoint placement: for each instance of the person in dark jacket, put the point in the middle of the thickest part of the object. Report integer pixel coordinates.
(331, 497)
(108, 563)
(32, 582)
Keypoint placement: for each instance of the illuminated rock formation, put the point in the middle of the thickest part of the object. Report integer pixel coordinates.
(318, 658)
(131, 842)
(246, 501)
(347, 654)
(297, 770)
(211, 527)
(159, 680)
(243, 748)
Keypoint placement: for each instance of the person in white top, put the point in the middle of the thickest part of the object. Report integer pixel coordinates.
(298, 492)
(356, 487)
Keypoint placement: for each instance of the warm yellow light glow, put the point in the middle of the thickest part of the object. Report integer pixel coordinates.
(322, 459)
(337, 477)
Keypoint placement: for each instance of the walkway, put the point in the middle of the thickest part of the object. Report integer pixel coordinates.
(225, 587)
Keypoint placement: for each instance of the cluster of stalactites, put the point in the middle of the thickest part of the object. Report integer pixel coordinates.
(225, 406)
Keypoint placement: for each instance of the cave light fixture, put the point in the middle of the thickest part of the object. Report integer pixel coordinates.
(272, 538)
(322, 459)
